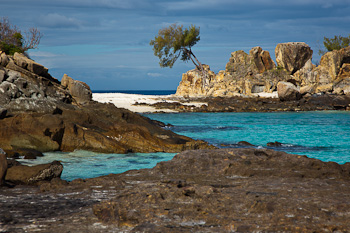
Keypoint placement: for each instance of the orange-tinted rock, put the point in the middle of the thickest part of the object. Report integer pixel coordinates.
(293, 55)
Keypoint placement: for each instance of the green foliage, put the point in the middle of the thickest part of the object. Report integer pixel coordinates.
(174, 41)
(12, 40)
(336, 43)
(10, 49)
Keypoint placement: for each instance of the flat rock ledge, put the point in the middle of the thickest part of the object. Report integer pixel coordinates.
(222, 190)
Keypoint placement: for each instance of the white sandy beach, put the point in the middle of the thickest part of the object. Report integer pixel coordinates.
(122, 100)
(127, 101)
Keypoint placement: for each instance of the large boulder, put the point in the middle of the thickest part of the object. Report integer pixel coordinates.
(292, 56)
(33, 174)
(79, 90)
(261, 59)
(3, 166)
(287, 91)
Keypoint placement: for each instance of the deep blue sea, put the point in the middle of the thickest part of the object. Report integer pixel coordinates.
(322, 135)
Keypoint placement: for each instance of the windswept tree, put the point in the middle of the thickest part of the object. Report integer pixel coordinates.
(173, 42)
(12, 40)
(336, 43)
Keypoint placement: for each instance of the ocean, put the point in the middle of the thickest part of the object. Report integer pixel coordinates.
(139, 92)
(324, 135)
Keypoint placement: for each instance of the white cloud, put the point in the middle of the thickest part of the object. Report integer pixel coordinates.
(55, 20)
(154, 75)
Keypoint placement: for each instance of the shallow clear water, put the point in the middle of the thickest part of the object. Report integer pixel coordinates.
(85, 164)
(322, 135)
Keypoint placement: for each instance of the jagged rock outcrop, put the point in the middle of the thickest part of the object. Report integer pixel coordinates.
(29, 175)
(24, 89)
(245, 74)
(330, 76)
(41, 113)
(253, 73)
(292, 56)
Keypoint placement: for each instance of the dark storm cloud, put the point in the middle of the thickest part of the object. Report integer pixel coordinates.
(114, 35)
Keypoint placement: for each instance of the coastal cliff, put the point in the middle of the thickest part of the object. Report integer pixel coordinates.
(256, 73)
(38, 112)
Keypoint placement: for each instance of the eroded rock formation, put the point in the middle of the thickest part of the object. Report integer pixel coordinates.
(253, 73)
(226, 190)
(39, 112)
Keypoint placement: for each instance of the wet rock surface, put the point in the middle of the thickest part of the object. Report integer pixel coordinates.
(251, 104)
(226, 190)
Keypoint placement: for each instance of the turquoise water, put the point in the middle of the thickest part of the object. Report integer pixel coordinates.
(85, 164)
(322, 135)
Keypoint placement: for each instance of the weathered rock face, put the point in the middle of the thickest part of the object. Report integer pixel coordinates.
(245, 74)
(38, 112)
(230, 190)
(288, 91)
(261, 59)
(26, 86)
(96, 127)
(200, 191)
(79, 90)
(293, 55)
(342, 82)
(33, 174)
(249, 74)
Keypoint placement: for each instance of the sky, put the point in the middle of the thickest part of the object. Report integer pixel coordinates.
(105, 43)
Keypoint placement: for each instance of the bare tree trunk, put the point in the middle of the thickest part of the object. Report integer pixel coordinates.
(199, 66)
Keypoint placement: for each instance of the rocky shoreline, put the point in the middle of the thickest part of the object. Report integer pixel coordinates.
(252, 104)
(226, 190)
(212, 190)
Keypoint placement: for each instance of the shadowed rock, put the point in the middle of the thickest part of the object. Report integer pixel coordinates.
(3, 166)
(33, 174)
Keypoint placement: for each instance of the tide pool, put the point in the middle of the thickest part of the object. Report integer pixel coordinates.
(321, 135)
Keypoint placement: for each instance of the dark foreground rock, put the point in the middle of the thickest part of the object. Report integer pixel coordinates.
(40, 113)
(227, 190)
(256, 104)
